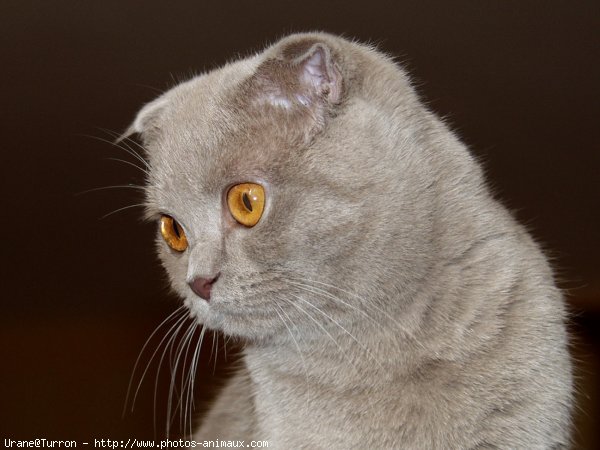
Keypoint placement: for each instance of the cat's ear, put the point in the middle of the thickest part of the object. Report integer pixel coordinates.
(146, 121)
(301, 74)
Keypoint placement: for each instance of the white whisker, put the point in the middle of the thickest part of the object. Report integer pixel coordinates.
(121, 186)
(343, 353)
(127, 150)
(183, 344)
(324, 330)
(363, 302)
(367, 351)
(169, 345)
(180, 310)
(326, 294)
(216, 352)
(124, 161)
(185, 384)
(126, 147)
(122, 209)
(193, 375)
(126, 141)
(298, 348)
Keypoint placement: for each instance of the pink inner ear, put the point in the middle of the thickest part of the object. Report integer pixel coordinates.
(315, 71)
(310, 80)
(321, 75)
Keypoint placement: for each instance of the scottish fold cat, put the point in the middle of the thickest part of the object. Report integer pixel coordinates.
(308, 204)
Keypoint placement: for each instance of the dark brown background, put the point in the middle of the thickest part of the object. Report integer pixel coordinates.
(519, 82)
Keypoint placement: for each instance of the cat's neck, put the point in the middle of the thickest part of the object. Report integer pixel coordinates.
(361, 353)
(293, 380)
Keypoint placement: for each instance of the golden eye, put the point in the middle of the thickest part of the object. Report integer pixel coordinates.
(173, 233)
(246, 203)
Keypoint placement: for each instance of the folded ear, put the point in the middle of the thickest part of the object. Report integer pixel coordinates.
(302, 74)
(146, 120)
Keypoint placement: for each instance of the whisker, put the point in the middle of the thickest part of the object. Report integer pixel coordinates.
(324, 330)
(343, 353)
(227, 339)
(180, 310)
(358, 298)
(185, 379)
(168, 345)
(326, 294)
(184, 343)
(122, 209)
(122, 186)
(367, 351)
(291, 321)
(147, 86)
(126, 140)
(212, 346)
(216, 352)
(366, 304)
(298, 348)
(175, 351)
(182, 347)
(127, 148)
(124, 161)
(193, 371)
(299, 284)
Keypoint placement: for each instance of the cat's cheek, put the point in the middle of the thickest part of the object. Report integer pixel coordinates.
(175, 266)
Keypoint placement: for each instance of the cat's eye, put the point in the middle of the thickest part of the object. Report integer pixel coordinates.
(173, 233)
(246, 203)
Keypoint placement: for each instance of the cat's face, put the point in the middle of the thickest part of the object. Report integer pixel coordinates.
(278, 123)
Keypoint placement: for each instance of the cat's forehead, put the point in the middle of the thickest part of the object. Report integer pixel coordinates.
(208, 138)
(205, 109)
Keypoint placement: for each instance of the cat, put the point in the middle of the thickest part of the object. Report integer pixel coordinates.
(310, 205)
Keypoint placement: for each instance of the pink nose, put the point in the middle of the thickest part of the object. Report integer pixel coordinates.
(202, 286)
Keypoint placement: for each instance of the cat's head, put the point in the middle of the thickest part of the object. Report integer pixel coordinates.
(288, 186)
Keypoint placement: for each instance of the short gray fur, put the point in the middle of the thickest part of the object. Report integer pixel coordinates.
(385, 298)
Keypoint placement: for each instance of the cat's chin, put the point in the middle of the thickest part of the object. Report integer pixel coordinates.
(204, 314)
(234, 323)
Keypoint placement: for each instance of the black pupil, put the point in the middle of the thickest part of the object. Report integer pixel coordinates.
(246, 201)
(176, 229)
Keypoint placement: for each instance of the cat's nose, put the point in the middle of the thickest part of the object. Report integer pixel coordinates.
(202, 286)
